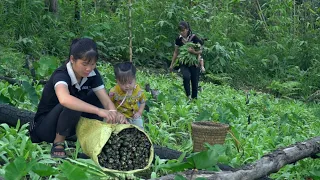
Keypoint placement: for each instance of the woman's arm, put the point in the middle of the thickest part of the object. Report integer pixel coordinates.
(71, 102)
(197, 41)
(174, 57)
(105, 99)
(191, 50)
(74, 103)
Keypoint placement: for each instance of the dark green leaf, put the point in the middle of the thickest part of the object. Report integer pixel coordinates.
(204, 159)
(31, 91)
(179, 177)
(17, 93)
(44, 170)
(316, 173)
(4, 99)
(219, 148)
(177, 166)
(232, 109)
(16, 169)
(73, 172)
(201, 178)
(204, 115)
(161, 97)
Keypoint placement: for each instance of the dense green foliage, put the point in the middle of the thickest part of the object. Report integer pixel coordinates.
(268, 45)
(254, 43)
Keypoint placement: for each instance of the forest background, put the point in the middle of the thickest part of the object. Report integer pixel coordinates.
(269, 45)
(253, 46)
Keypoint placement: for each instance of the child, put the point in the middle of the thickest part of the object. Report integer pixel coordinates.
(128, 96)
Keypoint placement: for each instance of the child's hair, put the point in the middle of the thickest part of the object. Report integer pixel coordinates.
(124, 72)
(84, 48)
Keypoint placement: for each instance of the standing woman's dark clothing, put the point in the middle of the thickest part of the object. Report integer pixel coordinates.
(190, 73)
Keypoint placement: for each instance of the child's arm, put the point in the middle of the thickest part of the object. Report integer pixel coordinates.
(140, 111)
(111, 94)
(142, 101)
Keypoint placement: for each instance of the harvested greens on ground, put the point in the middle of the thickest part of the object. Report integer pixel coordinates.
(125, 151)
(187, 58)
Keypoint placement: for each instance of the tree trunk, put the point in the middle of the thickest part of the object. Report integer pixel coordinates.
(52, 5)
(268, 164)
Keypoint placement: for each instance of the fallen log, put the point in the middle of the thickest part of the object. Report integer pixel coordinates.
(10, 115)
(269, 163)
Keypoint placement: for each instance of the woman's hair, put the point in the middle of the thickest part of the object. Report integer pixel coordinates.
(125, 72)
(85, 49)
(184, 25)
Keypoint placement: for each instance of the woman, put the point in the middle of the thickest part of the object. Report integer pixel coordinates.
(75, 89)
(189, 72)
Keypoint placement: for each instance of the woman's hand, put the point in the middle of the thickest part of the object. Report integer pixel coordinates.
(108, 115)
(192, 51)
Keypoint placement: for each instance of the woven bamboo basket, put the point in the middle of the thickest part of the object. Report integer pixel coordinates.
(208, 132)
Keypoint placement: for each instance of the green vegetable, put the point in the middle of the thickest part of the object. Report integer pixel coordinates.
(187, 58)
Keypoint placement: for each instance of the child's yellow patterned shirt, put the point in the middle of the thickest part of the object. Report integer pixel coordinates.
(130, 105)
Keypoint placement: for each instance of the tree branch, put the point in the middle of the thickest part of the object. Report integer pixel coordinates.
(270, 163)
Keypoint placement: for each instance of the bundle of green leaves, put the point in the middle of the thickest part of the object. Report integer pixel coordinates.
(187, 58)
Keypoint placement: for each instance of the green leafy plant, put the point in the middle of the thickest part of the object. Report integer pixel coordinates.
(207, 159)
(187, 58)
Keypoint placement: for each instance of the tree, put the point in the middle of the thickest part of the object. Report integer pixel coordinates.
(52, 5)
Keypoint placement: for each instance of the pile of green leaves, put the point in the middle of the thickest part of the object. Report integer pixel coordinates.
(187, 58)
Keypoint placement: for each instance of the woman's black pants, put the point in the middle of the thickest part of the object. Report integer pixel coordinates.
(61, 120)
(190, 73)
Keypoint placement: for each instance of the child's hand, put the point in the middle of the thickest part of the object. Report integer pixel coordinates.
(137, 115)
(122, 119)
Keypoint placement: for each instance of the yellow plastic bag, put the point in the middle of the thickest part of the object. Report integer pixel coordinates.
(94, 134)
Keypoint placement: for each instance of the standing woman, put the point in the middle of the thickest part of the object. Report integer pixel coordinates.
(189, 73)
(74, 89)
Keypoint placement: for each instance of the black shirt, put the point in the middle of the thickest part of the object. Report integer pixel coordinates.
(65, 75)
(180, 41)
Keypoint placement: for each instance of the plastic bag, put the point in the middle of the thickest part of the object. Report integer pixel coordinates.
(94, 134)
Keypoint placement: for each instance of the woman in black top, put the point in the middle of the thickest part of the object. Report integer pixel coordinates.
(190, 73)
(75, 89)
